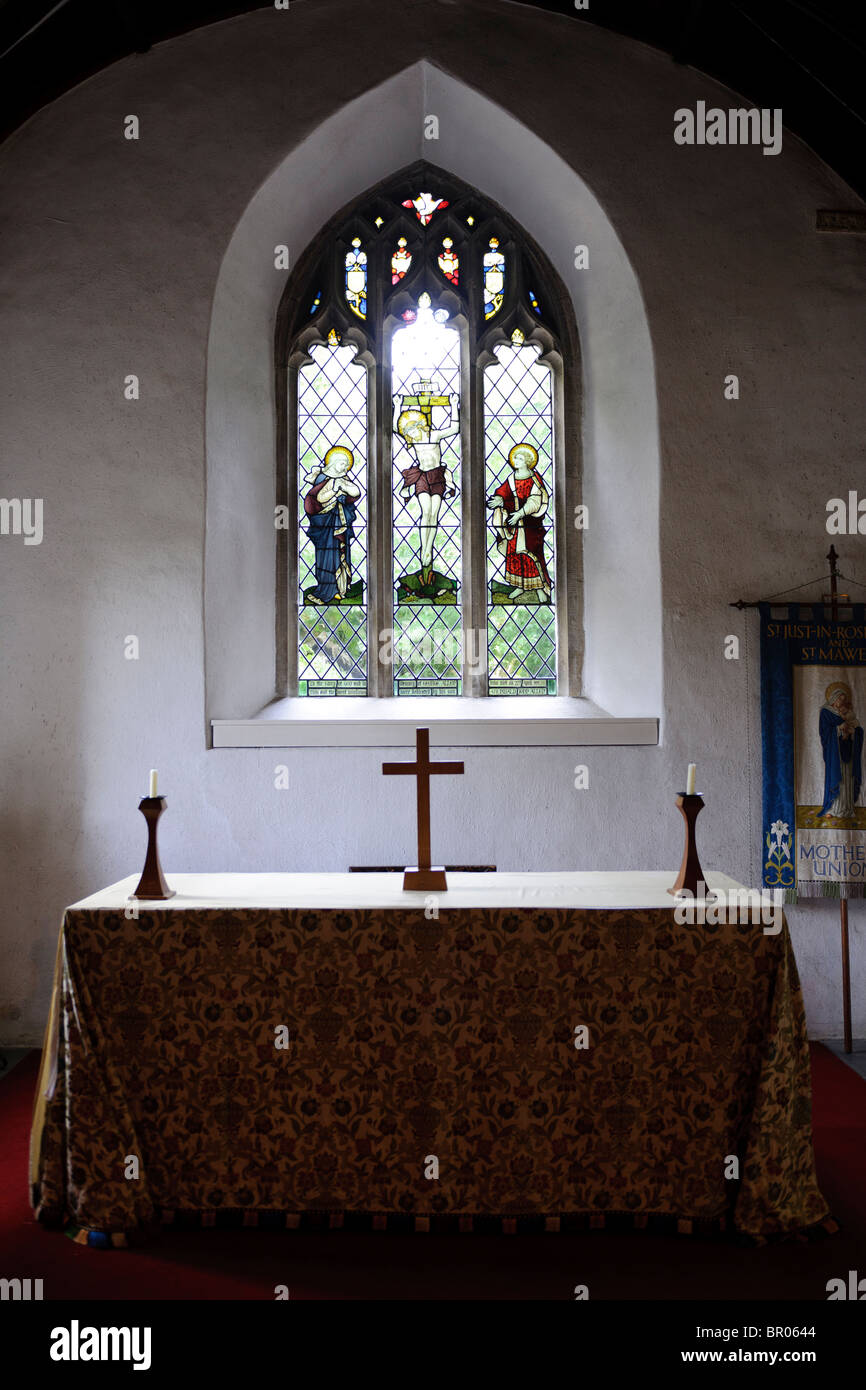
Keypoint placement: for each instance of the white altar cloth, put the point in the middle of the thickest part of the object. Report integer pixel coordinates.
(586, 890)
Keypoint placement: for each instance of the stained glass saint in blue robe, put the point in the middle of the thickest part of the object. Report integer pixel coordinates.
(842, 743)
(330, 507)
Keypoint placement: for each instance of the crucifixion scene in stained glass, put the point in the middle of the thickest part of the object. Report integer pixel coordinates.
(425, 367)
(450, 308)
(332, 553)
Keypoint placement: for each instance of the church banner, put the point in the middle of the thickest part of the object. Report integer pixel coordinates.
(813, 698)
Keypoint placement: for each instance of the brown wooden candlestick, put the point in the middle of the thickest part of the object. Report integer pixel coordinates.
(152, 883)
(691, 873)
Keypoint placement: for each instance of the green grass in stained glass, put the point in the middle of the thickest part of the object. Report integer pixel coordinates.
(332, 621)
(426, 504)
(518, 410)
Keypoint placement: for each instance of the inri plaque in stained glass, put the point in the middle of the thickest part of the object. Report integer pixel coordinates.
(518, 448)
(332, 541)
(356, 279)
(425, 376)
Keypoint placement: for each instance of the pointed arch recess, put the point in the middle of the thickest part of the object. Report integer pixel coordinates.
(357, 147)
(535, 302)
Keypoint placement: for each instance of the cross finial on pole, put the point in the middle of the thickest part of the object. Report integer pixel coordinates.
(424, 876)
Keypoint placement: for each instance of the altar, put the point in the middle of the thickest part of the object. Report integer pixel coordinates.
(532, 1051)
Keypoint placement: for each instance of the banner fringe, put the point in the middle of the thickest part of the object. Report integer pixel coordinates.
(838, 891)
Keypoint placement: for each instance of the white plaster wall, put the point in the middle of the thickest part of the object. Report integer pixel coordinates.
(110, 257)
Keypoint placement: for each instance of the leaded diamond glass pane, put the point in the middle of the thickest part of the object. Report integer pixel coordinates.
(518, 437)
(425, 363)
(332, 541)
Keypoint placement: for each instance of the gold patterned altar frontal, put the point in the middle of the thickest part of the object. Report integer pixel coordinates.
(409, 1039)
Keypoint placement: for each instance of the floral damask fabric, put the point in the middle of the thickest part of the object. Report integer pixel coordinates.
(412, 1040)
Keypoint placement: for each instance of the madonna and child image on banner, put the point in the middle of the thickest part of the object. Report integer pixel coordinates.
(813, 706)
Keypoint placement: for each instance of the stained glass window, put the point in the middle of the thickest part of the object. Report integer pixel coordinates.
(425, 205)
(425, 380)
(449, 263)
(332, 487)
(400, 261)
(356, 279)
(518, 448)
(379, 555)
(494, 278)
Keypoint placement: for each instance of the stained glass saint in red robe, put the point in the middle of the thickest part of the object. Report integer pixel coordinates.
(518, 506)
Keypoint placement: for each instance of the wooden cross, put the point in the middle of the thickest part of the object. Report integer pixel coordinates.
(424, 876)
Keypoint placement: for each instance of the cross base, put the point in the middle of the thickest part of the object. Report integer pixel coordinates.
(424, 880)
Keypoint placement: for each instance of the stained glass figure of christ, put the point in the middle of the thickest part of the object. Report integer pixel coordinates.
(436, 293)
(426, 380)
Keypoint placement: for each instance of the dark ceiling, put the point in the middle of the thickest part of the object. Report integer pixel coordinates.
(805, 56)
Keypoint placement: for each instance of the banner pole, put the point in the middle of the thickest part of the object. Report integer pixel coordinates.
(832, 557)
(846, 976)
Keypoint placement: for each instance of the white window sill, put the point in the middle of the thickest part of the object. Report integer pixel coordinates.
(503, 721)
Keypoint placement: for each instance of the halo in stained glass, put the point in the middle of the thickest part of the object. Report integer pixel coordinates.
(400, 261)
(494, 278)
(356, 279)
(518, 446)
(332, 540)
(430, 648)
(425, 375)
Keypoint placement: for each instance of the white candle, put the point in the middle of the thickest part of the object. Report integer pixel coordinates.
(153, 791)
(690, 779)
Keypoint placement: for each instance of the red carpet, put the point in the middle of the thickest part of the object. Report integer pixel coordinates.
(248, 1264)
